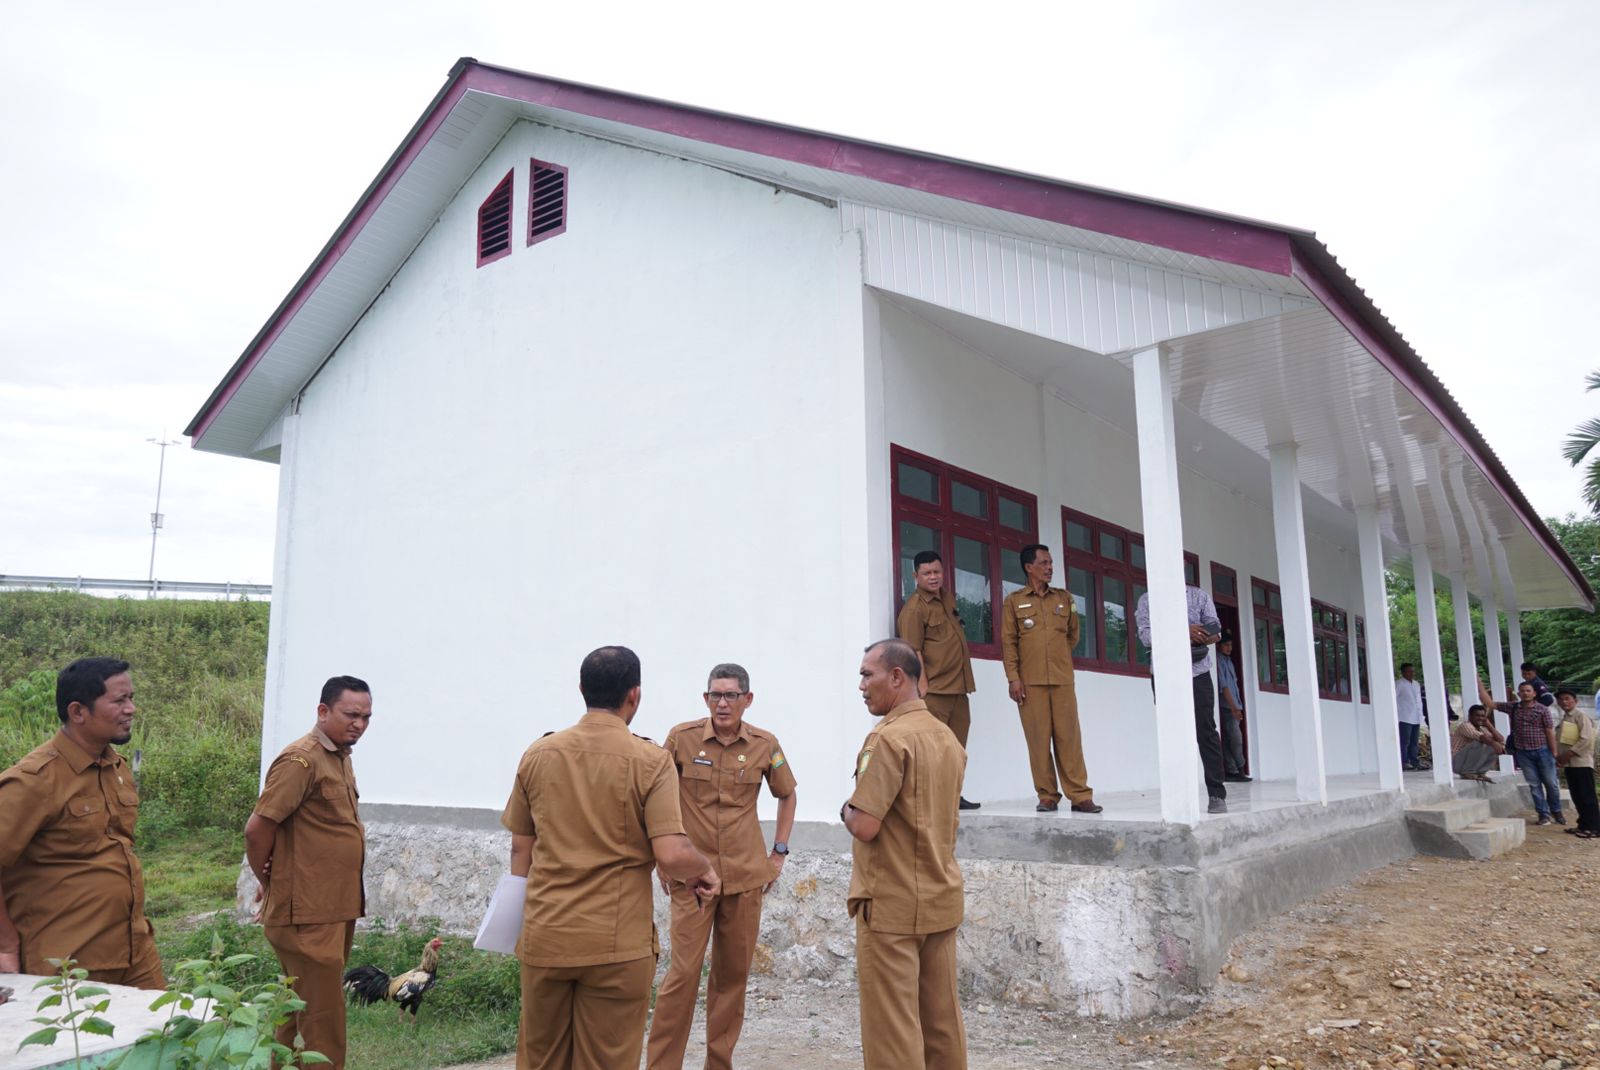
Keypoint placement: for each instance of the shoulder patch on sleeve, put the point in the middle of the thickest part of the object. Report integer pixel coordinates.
(778, 759)
(296, 758)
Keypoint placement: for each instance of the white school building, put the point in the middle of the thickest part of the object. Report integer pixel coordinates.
(582, 367)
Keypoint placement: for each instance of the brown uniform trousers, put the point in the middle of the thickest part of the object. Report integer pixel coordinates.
(314, 955)
(737, 919)
(954, 711)
(910, 1009)
(1050, 725)
(584, 1017)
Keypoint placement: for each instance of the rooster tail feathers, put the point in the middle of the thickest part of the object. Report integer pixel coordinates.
(367, 984)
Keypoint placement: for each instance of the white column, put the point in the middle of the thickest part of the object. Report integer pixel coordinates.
(1468, 658)
(1177, 755)
(1508, 592)
(1428, 636)
(1491, 650)
(1380, 653)
(1294, 577)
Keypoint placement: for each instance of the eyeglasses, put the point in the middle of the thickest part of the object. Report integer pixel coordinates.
(730, 697)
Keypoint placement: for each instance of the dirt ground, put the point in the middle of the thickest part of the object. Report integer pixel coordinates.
(1426, 963)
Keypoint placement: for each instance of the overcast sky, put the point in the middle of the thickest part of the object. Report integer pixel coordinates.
(169, 169)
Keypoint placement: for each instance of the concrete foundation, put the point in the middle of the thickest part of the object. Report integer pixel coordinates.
(1113, 918)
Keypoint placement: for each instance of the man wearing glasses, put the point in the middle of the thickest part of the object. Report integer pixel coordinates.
(721, 762)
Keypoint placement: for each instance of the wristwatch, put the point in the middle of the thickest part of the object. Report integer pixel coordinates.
(780, 848)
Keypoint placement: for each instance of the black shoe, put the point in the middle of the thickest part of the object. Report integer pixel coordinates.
(1237, 778)
(1217, 806)
(1087, 808)
(1047, 808)
(1559, 817)
(965, 805)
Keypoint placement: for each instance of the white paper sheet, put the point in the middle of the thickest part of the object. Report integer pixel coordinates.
(502, 922)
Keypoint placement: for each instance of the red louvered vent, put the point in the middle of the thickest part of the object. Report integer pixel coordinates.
(547, 200)
(494, 223)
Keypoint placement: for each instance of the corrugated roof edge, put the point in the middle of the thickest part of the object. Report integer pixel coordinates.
(1248, 242)
(1322, 274)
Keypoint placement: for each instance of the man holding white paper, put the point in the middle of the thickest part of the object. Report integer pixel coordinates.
(588, 947)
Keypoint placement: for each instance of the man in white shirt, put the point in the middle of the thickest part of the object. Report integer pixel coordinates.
(1408, 704)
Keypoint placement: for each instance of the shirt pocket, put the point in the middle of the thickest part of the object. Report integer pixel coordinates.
(335, 798)
(83, 820)
(935, 625)
(1027, 618)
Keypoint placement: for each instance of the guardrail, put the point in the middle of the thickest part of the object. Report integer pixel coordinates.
(149, 587)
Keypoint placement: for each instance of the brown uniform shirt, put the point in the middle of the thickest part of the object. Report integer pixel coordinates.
(73, 885)
(908, 775)
(321, 847)
(933, 628)
(594, 796)
(1037, 634)
(718, 786)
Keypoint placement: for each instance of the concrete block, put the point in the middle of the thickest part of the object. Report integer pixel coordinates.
(1492, 838)
(1452, 815)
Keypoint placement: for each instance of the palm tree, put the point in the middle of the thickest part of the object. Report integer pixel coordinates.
(1580, 443)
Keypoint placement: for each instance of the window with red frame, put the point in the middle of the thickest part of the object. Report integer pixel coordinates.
(1103, 566)
(494, 223)
(1330, 634)
(1224, 585)
(1272, 656)
(976, 525)
(1361, 660)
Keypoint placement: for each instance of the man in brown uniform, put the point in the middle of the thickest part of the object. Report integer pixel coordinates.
(929, 622)
(307, 847)
(592, 809)
(721, 762)
(905, 886)
(70, 884)
(1038, 629)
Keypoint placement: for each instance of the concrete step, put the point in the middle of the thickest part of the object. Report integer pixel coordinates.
(1450, 816)
(1492, 837)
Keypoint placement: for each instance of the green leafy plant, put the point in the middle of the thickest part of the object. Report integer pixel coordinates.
(212, 1023)
(68, 991)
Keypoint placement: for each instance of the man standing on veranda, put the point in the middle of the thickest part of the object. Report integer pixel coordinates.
(70, 884)
(592, 809)
(721, 762)
(307, 847)
(906, 892)
(930, 623)
(1408, 707)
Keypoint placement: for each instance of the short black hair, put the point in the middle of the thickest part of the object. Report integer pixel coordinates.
(1404, 665)
(338, 685)
(926, 557)
(898, 654)
(607, 675)
(1031, 551)
(1529, 666)
(1225, 637)
(84, 681)
(1566, 691)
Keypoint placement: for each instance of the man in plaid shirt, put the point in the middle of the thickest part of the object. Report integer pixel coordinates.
(1533, 734)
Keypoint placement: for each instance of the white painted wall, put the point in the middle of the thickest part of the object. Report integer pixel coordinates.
(949, 401)
(637, 432)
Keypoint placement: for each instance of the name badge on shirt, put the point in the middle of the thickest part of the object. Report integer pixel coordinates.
(703, 761)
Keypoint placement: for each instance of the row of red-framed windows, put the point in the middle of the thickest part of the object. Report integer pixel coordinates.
(979, 526)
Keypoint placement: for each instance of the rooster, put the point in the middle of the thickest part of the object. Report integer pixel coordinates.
(369, 985)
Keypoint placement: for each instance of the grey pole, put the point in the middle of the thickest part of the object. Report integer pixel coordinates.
(155, 517)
